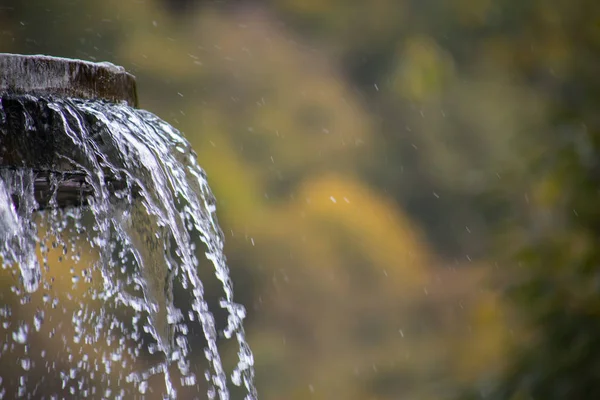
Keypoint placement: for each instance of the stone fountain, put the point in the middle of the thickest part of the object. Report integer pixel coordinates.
(104, 217)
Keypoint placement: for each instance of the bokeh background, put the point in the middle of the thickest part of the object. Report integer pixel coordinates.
(408, 188)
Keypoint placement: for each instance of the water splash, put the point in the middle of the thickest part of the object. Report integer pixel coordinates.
(148, 202)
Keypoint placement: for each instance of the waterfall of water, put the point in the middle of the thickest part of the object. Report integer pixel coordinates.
(147, 209)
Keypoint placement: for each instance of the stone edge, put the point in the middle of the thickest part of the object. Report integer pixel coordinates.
(45, 75)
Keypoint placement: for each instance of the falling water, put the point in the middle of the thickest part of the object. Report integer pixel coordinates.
(127, 251)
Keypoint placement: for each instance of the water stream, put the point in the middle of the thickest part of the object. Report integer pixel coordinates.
(104, 280)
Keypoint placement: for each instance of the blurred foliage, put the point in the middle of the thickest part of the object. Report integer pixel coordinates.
(386, 171)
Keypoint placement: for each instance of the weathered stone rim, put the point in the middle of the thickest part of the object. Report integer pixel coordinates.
(45, 75)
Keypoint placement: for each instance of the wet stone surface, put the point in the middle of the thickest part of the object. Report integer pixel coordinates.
(43, 75)
(35, 136)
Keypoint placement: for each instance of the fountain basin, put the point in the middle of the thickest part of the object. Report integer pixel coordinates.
(31, 137)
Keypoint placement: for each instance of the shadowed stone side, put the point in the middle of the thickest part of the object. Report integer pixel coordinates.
(44, 75)
(34, 136)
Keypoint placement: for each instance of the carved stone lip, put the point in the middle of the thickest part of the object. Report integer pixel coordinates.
(28, 137)
(44, 75)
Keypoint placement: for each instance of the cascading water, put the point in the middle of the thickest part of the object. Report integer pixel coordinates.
(91, 293)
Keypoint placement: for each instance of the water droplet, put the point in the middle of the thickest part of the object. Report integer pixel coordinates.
(143, 387)
(26, 364)
(20, 335)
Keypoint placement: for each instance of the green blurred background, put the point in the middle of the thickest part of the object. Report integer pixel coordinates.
(408, 188)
